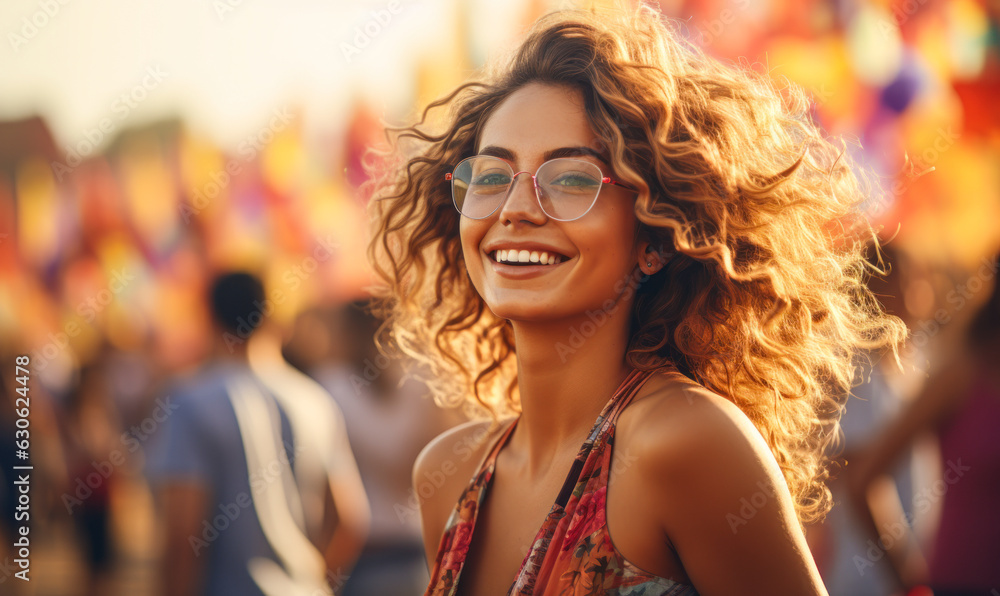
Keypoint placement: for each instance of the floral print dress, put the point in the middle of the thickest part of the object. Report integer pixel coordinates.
(572, 554)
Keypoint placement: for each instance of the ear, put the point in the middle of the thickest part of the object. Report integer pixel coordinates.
(650, 259)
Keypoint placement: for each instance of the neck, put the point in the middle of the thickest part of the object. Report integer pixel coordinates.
(567, 372)
(263, 348)
(228, 352)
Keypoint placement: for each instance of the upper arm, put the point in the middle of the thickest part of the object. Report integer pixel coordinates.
(441, 471)
(184, 446)
(183, 505)
(346, 500)
(725, 505)
(179, 469)
(346, 519)
(431, 524)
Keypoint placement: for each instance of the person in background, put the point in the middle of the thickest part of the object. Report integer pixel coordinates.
(258, 491)
(389, 419)
(960, 403)
(841, 547)
(91, 428)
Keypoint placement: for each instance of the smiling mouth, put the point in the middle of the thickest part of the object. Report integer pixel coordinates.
(526, 257)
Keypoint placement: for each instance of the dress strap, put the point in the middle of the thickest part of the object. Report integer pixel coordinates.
(622, 398)
(631, 388)
(599, 433)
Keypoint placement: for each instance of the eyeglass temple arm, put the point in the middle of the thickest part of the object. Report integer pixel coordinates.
(608, 180)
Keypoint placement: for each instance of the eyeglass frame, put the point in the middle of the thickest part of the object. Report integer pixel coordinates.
(534, 182)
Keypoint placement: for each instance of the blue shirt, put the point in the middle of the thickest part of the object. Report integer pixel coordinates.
(261, 443)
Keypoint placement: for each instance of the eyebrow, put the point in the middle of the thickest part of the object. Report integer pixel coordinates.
(577, 151)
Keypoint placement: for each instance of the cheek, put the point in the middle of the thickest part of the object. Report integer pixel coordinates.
(471, 235)
(611, 235)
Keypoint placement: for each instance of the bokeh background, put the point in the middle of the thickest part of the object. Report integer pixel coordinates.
(145, 146)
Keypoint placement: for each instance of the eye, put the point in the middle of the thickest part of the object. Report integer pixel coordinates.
(574, 181)
(491, 179)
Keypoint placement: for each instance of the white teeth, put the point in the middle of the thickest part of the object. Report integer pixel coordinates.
(525, 256)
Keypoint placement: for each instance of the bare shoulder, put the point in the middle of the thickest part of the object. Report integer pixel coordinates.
(721, 500)
(679, 425)
(444, 468)
(700, 455)
(457, 447)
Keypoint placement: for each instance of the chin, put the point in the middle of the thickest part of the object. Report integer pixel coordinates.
(524, 310)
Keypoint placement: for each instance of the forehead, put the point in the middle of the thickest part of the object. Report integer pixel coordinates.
(537, 118)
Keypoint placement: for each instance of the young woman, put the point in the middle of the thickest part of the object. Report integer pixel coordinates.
(641, 255)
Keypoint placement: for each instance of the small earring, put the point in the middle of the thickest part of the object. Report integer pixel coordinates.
(648, 264)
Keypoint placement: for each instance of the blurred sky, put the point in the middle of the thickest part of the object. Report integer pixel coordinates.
(227, 63)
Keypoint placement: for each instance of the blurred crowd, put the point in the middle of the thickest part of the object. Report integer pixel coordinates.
(109, 258)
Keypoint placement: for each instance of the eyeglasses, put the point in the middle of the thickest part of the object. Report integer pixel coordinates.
(566, 188)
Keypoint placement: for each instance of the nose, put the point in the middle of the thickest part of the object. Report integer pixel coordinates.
(522, 203)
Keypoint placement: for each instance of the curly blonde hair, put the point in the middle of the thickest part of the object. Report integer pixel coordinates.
(764, 299)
